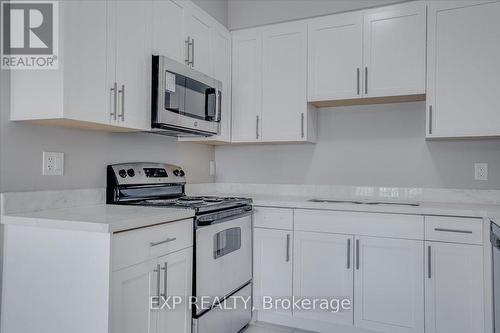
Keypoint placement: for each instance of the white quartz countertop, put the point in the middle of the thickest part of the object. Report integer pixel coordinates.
(425, 208)
(98, 218)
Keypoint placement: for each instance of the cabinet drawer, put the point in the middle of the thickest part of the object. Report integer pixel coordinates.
(273, 218)
(363, 224)
(454, 229)
(135, 246)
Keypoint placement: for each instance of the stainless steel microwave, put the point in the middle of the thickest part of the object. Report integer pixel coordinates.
(185, 102)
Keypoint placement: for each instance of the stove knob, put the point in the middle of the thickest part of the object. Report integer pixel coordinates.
(176, 173)
(131, 172)
(181, 173)
(122, 173)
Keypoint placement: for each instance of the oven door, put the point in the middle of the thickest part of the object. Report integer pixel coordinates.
(223, 258)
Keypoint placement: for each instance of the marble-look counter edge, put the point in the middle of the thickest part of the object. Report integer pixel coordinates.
(98, 218)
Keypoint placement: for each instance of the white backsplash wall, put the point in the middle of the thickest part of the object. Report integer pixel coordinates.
(86, 152)
(379, 145)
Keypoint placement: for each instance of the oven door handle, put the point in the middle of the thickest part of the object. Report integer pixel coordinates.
(224, 216)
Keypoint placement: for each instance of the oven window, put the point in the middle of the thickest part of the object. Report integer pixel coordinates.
(227, 241)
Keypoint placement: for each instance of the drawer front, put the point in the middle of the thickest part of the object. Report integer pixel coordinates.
(273, 218)
(364, 224)
(135, 246)
(454, 229)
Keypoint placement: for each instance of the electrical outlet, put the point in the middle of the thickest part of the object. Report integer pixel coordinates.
(53, 164)
(481, 171)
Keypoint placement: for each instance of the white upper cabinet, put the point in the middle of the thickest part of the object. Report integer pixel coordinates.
(454, 288)
(284, 101)
(198, 26)
(462, 69)
(323, 267)
(77, 92)
(269, 85)
(335, 57)
(367, 54)
(168, 29)
(247, 85)
(389, 291)
(130, 29)
(86, 95)
(221, 55)
(394, 50)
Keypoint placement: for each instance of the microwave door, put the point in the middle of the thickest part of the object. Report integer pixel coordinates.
(198, 100)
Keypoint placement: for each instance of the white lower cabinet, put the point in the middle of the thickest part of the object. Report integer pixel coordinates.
(323, 268)
(176, 271)
(388, 286)
(272, 266)
(454, 288)
(133, 287)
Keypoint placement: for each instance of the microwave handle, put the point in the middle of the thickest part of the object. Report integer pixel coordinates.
(218, 106)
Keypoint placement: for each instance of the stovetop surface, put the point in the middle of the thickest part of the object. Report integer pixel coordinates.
(198, 203)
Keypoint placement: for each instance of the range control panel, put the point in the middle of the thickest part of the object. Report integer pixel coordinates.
(147, 173)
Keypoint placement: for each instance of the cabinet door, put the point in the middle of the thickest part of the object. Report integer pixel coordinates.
(131, 291)
(198, 30)
(335, 57)
(454, 288)
(132, 38)
(86, 94)
(323, 267)
(389, 293)
(463, 71)
(168, 29)
(394, 50)
(221, 51)
(175, 281)
(247, 88)
(284, 101)
(272, 266)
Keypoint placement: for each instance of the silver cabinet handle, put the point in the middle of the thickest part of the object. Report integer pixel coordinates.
(366, 80)
(357, 73)
(187, 42)
(158, 277)
(302, 130)
(357, 253)
(429, 275)
(122, 91)
(348, 253)
(454, 230)
(287, 247)
(257, 127)
(168, 240)
(192, 52)
(430, 119)
(165, 280)
(115, 99)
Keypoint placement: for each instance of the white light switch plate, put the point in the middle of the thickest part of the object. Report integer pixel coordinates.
(481, 171)
(53, 164)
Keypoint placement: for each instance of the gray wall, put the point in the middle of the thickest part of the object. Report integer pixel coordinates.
(86, 153)
(249, 13)
(382, 145)
(216, 8)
